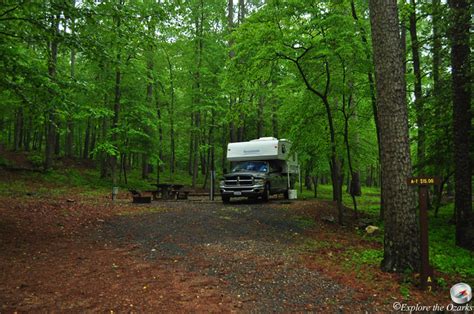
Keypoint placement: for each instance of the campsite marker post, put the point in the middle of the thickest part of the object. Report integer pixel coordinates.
(426, 270)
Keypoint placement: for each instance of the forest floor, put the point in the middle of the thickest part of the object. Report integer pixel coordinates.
(77, 250)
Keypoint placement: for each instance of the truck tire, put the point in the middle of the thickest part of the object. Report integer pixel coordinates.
(225, 199)
(266, 193)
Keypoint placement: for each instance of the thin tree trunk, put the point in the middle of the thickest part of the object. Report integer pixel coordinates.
(224, 149)
(462, 119)
(18, 138)
(274, 121)
(69, 147)
(438, 119)
(198, 97)
(373, 98)
(171, 117)
(191, 146)
(420, 120)
(87, 139)
(196, 150)
(27, 136)
(315, 185)
(260, 117)
(160, 143)
(241, 130)
(51, 119)
(346, 142)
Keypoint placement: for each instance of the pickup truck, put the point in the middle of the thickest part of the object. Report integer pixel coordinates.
(254, 179)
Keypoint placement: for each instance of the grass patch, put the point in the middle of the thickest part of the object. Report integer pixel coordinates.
(141, 211)
(314, 245)
(444, 254)
(304, 222)
(368, 202)
(365, 257)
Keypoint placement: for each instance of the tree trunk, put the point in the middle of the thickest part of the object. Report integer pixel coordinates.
(420, 120)
(315, 185)
(87, 139)
(171, 117)
(160, 142)
(191, 146)
(224, 149)
(274, 121)
(18, 138)
(352, 173)
(50, 120)
(260, 117)
(195, 153)
(115, 121)
(241, 130)
(27, 136)
(401, 241)
(460, 63)
(199, 21)
(439, 105)
(69, 145)
(373, 98)
(149, 100)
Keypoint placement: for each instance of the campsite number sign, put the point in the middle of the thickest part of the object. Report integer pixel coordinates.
(426, 271)
(423, 181)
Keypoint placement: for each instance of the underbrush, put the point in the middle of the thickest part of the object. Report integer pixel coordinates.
(445, 256)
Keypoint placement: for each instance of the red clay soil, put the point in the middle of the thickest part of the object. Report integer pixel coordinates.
(50, 263)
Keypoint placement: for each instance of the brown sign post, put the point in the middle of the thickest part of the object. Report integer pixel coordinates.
(426, 271)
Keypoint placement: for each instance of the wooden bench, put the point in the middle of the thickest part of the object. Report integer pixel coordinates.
(182, 194)
(139, 198)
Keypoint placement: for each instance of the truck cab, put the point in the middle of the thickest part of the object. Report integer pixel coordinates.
(260, 168)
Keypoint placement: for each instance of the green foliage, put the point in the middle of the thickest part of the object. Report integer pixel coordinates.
(444, 254)
(304, 222)
(367, 256)
(4, 162)
(36, 160)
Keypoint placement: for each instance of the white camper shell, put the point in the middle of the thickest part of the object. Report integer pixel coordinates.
(265, 148)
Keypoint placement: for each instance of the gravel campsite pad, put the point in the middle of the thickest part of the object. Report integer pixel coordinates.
(72, 253)
(248, 247)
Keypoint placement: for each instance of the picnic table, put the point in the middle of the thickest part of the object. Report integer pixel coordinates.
(167, 191)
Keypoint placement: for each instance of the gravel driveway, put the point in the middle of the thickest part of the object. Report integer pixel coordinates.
(252, 249)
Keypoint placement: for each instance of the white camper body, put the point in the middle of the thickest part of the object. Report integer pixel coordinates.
(264, 148)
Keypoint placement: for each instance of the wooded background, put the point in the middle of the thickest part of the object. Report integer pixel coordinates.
(163, 86)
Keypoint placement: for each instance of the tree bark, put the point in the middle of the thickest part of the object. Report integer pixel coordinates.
(462, 119)
(401, 241)
(117, 100)
(51, 119)
(373, 98)
(260, 118)
(69, 145)
(18, 137)
(87, 139)
(171, 116)
(420, 119)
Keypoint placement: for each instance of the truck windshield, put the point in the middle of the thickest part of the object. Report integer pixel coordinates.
(257, 166)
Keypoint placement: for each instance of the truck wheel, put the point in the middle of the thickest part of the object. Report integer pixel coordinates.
(266, 193)
(225, 199)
